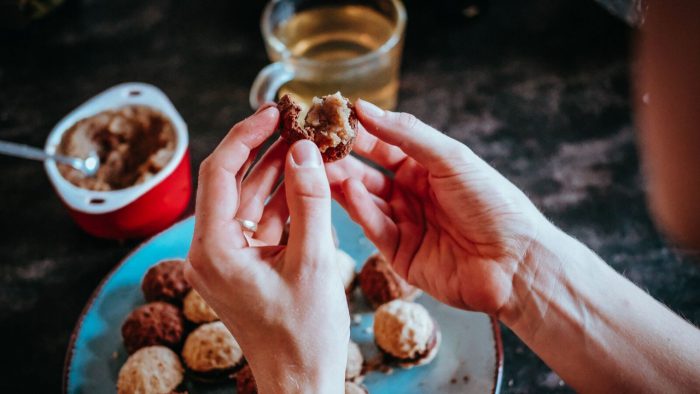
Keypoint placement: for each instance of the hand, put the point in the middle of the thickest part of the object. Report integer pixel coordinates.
(448, 222)
(285, 306)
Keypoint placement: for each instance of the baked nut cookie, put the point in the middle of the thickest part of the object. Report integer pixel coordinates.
(355, 388)
(212, 354)
(196, 309)
(381, 284)
(165, 281)
(151, 370)
(156, 323)
(353, 369)
(331, 123)
(245, 381)
(406, 333)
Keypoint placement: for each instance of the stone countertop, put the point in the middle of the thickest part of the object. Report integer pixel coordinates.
(540, 89)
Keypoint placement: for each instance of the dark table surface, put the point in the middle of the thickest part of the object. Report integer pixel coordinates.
(540, 89)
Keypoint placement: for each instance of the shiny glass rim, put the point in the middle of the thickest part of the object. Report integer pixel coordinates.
(279, 46)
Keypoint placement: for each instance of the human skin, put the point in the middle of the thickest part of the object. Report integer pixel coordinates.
(285, 305)
(454, 227)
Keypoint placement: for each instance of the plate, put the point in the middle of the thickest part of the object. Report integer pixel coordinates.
(470, 359)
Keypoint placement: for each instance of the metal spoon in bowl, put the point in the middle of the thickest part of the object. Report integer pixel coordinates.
(87, 166)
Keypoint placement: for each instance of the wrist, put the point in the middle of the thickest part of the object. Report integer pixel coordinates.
(553, 266)
(290, 371)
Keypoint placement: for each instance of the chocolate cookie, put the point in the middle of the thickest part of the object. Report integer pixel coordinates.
(166, 281)
(331, 123)
(381, 284)
(157, 323)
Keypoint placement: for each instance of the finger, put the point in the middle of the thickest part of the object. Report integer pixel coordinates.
(217, 194)
(379, 228)
(376, 182)
(308, 198)
(371, 147)
(274, 218)
(434, 150)
(258, 185)
(254, 153)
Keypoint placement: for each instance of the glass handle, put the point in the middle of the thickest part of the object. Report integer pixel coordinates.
(268, 82)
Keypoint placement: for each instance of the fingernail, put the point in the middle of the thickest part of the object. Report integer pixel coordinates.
(265, 106)
(370, 109)
(305, 154)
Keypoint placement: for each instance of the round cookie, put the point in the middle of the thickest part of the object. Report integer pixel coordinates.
(156, 323)
(196, 309)
(211, 353)
(166, 281)
(381, 284)
(152, 369)
(331, 123)
(406, 333)
(353, 369)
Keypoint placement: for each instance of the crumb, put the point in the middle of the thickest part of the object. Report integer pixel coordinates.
(453, 381)
(356, 319)
(465, 378)
(115, 355)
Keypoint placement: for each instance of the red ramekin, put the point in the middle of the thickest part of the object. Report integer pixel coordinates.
(140, 210)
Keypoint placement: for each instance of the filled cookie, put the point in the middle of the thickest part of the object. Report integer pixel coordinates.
(166, 281)
(381, 284)
(212, 354)
(406, 333)
(196, 309)
(330, 122)
(156, 323)
(353, 369)
(151, 370)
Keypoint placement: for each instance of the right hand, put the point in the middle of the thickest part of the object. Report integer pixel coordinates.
(447, 221)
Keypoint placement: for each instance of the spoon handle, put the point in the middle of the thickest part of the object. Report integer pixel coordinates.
(30, 152)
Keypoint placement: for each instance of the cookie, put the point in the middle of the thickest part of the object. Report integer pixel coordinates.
(330, 123)
(196, 309)
(150, 370)
(406, 333)
(156, 323)
(381, 284)
(166, 281)
(212, 354)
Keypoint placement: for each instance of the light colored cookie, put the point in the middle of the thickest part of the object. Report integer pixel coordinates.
(150, 370)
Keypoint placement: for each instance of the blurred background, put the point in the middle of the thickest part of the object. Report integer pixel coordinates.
(540, 89)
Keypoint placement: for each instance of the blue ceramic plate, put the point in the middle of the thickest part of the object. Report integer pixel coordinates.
(470, 359)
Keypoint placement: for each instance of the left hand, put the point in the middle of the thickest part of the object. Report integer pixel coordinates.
(285, 305)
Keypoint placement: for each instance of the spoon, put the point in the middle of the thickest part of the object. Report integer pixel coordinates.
(87, 166)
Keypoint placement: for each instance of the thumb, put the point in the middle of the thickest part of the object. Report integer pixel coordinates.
(309, 202)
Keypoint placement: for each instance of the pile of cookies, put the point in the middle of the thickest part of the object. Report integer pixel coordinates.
(176, 336)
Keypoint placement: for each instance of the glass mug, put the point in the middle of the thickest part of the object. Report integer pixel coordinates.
(320, 47)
